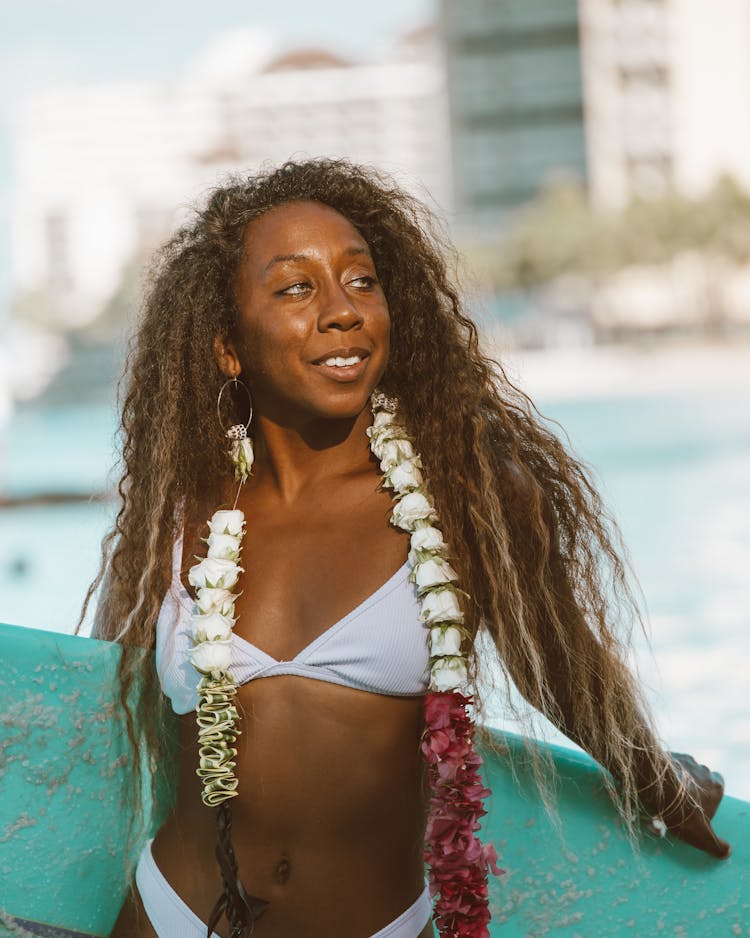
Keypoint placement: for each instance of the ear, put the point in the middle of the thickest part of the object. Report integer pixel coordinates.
(226, 356)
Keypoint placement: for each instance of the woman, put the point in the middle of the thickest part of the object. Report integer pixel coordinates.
(316, 285)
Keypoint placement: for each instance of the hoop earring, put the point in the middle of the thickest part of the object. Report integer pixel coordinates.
(237, 431)
(241, 447)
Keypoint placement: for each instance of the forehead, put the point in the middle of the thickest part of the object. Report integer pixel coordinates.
(309, 228)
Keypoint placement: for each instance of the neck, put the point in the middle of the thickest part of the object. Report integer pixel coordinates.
(291, 458)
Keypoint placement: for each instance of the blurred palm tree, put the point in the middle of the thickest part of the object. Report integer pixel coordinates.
(561, 233)
(559, 254)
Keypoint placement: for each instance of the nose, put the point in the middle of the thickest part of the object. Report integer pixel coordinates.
(338, 309)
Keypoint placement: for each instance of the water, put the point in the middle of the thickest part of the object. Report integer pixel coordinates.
(49, 555)
(674, 469)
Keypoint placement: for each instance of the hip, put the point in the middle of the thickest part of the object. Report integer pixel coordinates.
(169, 914)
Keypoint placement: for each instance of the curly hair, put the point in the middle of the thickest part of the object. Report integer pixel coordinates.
(541, 560)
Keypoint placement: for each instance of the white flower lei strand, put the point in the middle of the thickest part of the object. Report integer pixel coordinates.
(415, 512)
(214, 576)
(211, 625)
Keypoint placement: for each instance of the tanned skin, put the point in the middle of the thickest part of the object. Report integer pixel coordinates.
(330, 817)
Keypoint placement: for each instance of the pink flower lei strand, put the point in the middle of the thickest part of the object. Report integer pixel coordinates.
(458, 861)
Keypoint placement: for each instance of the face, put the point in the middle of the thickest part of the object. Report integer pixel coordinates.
(313, 326)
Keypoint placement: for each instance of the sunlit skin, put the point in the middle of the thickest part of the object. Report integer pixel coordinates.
(329, 821)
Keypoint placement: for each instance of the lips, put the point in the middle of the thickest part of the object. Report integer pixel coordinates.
(342, 352)
(343, 373)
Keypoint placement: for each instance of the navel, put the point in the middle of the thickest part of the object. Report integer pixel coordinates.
(283, 870)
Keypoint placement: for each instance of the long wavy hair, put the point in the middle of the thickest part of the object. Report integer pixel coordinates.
(551, 604)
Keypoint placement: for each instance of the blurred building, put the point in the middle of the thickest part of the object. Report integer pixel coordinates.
(516, 100)
(667, 93)
(104, 172)
(631, 96)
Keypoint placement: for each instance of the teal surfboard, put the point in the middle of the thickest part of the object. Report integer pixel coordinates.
(63, 743)
(62, 827)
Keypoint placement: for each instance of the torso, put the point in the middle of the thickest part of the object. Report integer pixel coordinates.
(331, 809)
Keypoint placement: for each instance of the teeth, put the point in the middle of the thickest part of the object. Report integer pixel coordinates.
(343, 362)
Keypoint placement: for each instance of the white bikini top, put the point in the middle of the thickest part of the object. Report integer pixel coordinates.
(381, 646)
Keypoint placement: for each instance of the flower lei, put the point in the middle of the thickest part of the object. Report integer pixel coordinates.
(458, 861)
(211, 625)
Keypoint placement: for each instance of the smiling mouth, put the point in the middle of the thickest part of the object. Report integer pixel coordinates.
(338, 361)
(343, 356)
(343, 369)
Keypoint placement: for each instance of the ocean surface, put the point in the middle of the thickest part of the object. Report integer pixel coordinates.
(674, 469)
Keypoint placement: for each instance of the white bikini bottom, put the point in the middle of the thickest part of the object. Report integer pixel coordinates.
(172, 918)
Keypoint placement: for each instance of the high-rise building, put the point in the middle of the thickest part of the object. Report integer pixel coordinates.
(516, 100)
(631, 96)
(104, 172)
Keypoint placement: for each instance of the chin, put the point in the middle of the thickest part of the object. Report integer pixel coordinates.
(340, 399)
(345, 406)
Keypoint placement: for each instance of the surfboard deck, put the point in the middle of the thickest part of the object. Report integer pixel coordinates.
(582, 879)
(62, 825)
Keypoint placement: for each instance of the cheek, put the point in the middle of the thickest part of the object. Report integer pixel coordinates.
(270, 340)
(380, 331)
(387, 336)
(385, 326)
(381, 316)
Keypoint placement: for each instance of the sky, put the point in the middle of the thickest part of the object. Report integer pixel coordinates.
(49, 42)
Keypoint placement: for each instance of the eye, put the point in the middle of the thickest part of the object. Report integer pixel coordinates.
(365, 282)
(295, 289)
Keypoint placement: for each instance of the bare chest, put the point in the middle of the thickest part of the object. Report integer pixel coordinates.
(306, 569)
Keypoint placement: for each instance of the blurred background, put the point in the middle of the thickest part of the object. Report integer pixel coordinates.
(590, 159)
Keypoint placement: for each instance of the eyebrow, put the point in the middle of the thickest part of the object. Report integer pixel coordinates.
(280, 258)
